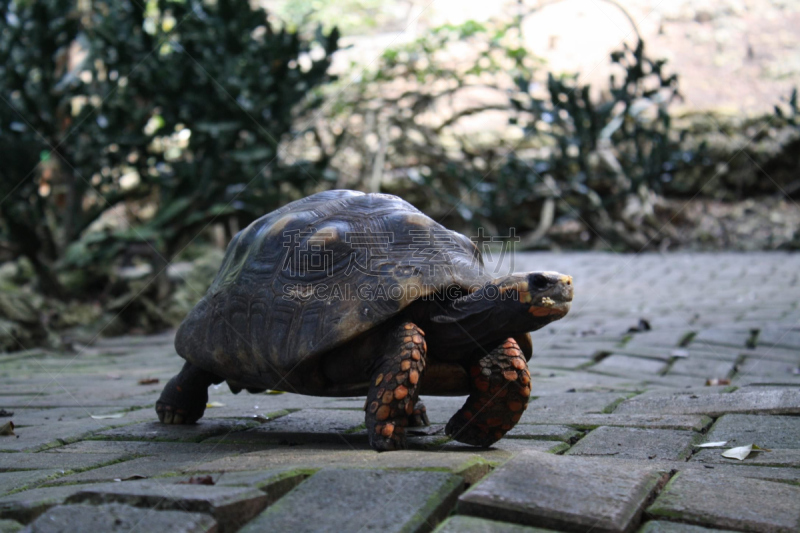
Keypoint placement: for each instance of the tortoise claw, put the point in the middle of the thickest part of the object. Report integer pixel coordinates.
(419, 417)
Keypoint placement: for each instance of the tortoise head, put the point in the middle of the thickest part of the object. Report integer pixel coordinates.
(508, 306)
(534, 299)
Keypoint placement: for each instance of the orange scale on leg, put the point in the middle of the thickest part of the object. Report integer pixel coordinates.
(515, 406)
(510, 375)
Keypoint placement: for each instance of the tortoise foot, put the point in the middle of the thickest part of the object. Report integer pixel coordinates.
(419, 417)
(170, 414)
(388, 437)
(464, 431)
(184, 398)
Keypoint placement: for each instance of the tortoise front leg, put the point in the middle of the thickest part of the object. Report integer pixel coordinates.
(184, 398)
(394, 388)
(501, 388)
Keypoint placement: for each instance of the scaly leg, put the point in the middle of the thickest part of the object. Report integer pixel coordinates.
(501, 388)
(394, 388)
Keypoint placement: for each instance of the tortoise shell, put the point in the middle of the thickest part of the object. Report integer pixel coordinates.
(315, 274)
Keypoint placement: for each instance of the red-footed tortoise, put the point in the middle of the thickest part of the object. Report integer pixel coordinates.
(344, 293)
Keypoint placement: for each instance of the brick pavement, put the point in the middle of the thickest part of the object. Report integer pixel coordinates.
(608, 443)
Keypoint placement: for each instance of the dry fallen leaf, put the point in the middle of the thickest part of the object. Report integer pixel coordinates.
(711, 444)
(199, 480)
(148, 381)
(215, 404)
(7, 429)
(739, 453)
(742, 452)
(103, 417)
(717, 381)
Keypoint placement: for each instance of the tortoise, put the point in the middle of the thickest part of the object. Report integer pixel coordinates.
(344, 293)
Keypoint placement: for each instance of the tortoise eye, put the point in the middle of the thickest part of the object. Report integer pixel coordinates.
(538, 281)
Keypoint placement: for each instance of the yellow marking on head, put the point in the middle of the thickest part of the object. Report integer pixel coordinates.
(521, 287)
(545, 311)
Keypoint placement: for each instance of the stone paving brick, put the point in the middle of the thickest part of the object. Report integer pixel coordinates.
(659, 336)
(571, 493)
(785, 338)
(723, 336)
(784, 401)
(618, 364)
(584, 381)
(12, 481)
(569, 363)
(467, 462)
(704, 368)
(306, 425)
(513, 446)
(528, 431)
(38, 417)
(9, 526)
(776, 457)
(275, 483)
(43, 437)
(661, 353)
(350, 500)
(755, 369)
(773, 353)
(156, 431)
(744, 469)
(231, 507)
(636, 443)
(144, 448)
(26, 505)
(576, 403)
(44, 461)
(766, 431)
(470, 524)
(591, 421)
(657, 526)
(729, 502)
(115, 517)
(142, 467)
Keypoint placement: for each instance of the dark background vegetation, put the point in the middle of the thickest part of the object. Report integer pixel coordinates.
(136, 138)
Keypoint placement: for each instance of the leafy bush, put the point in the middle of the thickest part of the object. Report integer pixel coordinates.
(564, 154)
(125, 128)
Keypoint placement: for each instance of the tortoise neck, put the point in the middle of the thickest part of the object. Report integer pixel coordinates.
(483, 317)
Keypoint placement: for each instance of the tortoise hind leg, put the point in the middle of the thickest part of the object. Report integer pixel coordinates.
(501, 388)
(184, 398)
(394, 388)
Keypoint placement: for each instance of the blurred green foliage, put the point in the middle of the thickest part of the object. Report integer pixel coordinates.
(566, 151)
(172, 111)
